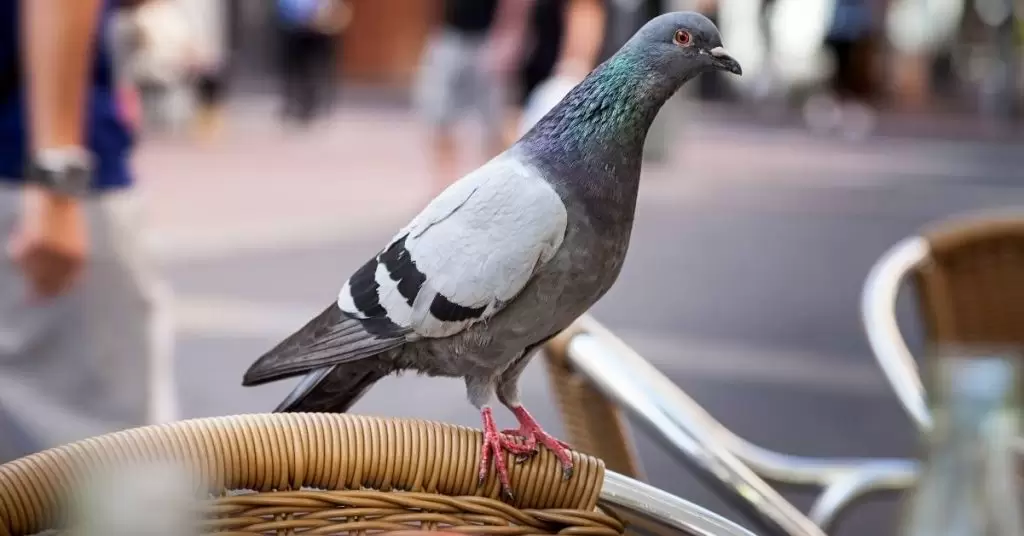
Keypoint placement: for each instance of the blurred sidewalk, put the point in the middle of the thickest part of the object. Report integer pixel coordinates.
(890, 123)
(260, 186)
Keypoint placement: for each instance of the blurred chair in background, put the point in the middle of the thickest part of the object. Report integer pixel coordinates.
(85, 336)
(466, 64)
(967, 273)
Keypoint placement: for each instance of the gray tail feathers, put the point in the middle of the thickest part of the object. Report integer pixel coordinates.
(330, 338)
(333, 389)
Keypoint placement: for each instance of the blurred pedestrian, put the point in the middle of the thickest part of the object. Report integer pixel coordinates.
(846, 107)
(160, 47)
(566, 40)
(467, 64)
(210, 82)
(309, 35)
(84, 337)
(208, 66)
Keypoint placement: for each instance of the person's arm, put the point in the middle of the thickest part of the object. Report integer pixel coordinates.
(57, 45)
(508, 34)
(584, 34)
(511, 17)
(57, 50)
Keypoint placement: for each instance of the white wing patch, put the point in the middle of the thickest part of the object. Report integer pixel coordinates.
(347, 303)
(399, 311)
(470, 251)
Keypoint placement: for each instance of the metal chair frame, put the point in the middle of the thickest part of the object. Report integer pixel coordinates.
(737, 470)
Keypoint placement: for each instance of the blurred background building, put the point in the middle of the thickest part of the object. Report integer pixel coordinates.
(932, 56)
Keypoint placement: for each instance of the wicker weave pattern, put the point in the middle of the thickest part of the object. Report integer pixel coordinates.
(971, 288)
(594, 423)
(341, 512)
(266, 453)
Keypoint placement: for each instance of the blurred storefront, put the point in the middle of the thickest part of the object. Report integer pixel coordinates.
(384, 41)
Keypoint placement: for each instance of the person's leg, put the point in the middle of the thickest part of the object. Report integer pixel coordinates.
(208, 88)
(148, 296)
(291, 62)
(858, 115)
(843, 79)
(821, 111)
(436, 101)
(324, 70)
(490, 97)
(19, 328)
(309, 75)
(95, 360)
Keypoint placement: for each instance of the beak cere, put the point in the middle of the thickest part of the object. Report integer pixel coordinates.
(723, 61)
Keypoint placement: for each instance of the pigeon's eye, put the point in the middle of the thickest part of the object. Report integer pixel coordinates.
(682, 38)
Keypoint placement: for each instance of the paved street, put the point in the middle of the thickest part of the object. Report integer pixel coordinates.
(742, 281)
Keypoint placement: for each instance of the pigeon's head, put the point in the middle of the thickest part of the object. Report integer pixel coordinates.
(684, 44)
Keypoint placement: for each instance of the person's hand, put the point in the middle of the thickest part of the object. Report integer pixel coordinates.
(129, 105)
(571, 69)
(501, 55)
(50, 243)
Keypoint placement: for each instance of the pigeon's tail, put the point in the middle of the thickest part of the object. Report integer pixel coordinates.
(333, 389)
(331, 338)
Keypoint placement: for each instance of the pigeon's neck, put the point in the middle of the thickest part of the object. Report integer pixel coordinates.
(592, 141)
(612, 108)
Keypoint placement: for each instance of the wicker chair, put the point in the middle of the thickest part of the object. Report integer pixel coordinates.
(968, 274)
(316, 474)
(594, 424)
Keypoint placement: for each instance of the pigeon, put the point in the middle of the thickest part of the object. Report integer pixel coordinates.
(506, 257)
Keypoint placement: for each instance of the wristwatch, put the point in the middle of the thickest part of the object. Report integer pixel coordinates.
(64, 170)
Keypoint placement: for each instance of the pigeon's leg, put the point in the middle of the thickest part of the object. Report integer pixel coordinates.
(529, 429)
(495, 444)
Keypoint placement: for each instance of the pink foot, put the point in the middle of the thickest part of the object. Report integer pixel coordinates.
(495, 445)
(533, 434)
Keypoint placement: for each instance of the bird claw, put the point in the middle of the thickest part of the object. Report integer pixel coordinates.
(523, 458)
(531, 439)
(495, 445)
(534, 436)
(518, 446)
(523, 443)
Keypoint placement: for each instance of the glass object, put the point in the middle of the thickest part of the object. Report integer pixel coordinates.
(969, 483)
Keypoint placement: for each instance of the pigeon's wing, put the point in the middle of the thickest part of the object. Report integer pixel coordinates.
(467, 254)
(331, 337)
(470, 251)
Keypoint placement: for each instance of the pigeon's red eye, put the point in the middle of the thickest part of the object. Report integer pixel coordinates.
(682, 38)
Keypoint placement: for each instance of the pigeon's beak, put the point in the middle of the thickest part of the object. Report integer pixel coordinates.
(724, 62)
